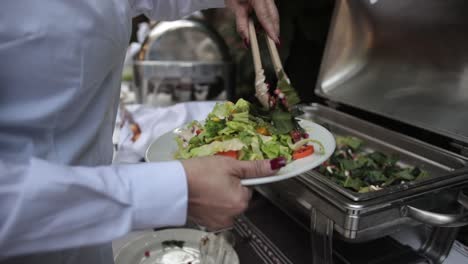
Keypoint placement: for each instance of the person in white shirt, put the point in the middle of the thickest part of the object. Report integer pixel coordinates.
(61, 200)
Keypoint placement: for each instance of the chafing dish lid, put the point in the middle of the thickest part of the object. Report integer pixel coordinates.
(406, 60)
(183, 40)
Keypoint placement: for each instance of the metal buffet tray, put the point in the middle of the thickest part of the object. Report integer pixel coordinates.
(405, 60)
(411, 152)
(313, 198)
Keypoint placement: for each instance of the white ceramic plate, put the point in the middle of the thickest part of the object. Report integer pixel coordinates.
(149, 248)
(163, 149)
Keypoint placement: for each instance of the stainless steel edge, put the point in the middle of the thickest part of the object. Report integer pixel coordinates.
(379, 214)
(406, 60)
(436, 219)
(437, 161)
(183, 26)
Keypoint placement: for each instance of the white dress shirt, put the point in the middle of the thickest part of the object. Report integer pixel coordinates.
(60, 70)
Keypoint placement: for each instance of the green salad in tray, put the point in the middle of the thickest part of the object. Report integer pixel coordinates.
(246, 132)
(361, 170)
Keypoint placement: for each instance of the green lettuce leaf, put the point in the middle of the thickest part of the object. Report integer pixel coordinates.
(221, 110)
(352, 142)
(241, 117)
(182, 152)
(246, 137)
(353, 183)
(217, 146)
(227, 131)
(286, 140)
(244, 153)
(271, 149)
(256, 152)
(213, 127)
(405, 174)
(242, 106)
(266, 139)
(285, 86)
(285, 152)
(239, 126)
(375, 177)
(283, 121)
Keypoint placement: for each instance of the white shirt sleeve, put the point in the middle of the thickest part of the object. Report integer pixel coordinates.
(45, 206)
(171, 9)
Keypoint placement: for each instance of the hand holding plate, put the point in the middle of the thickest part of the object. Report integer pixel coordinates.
(216, 194)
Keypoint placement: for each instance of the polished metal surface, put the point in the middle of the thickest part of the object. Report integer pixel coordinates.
(406, 60)
(183, 60)
(437, 162)
(403, 59)
(322, 238)
(436, 219)
(183, 40)
(360, 217)
(440, 242)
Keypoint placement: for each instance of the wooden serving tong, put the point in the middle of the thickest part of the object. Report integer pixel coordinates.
(261, 88)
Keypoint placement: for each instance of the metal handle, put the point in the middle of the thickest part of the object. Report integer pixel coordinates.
(441, 220)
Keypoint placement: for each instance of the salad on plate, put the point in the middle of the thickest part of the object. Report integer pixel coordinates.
(245, 131)
(267, 129)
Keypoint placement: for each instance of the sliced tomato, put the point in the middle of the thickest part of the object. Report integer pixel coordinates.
(231, 153)
(303, 152)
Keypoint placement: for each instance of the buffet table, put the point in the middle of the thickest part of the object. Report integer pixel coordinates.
(264, 234)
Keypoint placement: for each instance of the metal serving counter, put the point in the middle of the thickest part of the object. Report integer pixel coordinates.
(362, 217)
(406, 61)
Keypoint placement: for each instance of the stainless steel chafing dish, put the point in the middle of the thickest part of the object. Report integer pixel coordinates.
(183, 60)
(406, 62)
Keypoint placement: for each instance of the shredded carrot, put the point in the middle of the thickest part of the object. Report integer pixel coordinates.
(263, 131)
